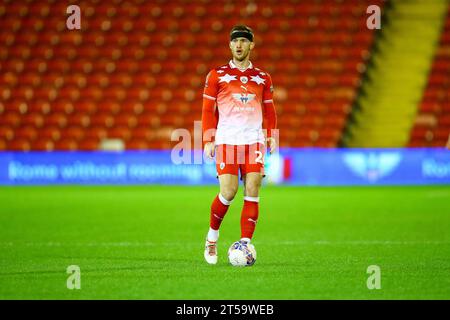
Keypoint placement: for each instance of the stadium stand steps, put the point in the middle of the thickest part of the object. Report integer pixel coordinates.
(386, 107)
(432, 123)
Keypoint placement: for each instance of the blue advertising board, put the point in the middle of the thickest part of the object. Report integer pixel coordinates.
(288, 166)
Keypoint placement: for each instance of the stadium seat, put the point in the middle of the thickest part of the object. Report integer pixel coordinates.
(50, 133)
(42, 145)
(120, 132)
(6, 133)
(66, 144)
(89, 145)
(18, 145)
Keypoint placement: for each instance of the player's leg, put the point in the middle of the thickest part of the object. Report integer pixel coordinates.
(252, 172)
(250, 210)
(228, 187)
(227, 171)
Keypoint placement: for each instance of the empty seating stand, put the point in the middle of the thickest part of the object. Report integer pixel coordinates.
(135, 70)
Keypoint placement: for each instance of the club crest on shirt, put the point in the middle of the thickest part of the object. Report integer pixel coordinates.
(222, 165)
(244, 97)
(244, 79)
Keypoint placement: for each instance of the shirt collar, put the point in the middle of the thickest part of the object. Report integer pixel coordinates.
(233, 65)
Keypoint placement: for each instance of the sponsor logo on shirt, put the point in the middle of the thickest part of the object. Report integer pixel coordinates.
(244, 97)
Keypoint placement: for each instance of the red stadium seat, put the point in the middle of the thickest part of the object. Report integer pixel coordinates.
(74, 132)
(96, 133)
(137, 144)
(43, 145)
(6, 133)
(27, 133)
(3, 145)
(50, 133)
(56, 119)
(144, 133)
(79, 119)
(126, 119)
(66, 145)
(102, 120)
(88, 145)
(18, 145)
(121, 132)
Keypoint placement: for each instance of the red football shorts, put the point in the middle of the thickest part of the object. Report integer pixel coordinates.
(230, 159)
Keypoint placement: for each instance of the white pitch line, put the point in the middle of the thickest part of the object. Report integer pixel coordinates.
(362, 242)
(184, 244)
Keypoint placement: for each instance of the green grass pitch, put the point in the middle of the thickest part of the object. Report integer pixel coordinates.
(146, 242)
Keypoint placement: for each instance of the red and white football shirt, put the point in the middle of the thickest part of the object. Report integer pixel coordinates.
(240, 95)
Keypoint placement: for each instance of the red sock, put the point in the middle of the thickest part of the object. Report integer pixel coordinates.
(219, 208)
(249, 216)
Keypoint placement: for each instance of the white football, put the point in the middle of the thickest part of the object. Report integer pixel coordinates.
(242, 254)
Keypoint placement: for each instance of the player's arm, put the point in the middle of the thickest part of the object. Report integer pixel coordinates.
(271, 120)
(270, 115)
(210, 115)
(448, 142)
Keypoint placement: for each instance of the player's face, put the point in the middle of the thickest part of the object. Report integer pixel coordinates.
(240, 48)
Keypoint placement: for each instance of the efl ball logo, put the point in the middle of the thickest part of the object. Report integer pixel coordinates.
(242, 254)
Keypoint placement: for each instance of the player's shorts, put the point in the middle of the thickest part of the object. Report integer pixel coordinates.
(230, 159)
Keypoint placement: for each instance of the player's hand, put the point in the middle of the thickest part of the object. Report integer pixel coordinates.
(209, 149)
(272, 144)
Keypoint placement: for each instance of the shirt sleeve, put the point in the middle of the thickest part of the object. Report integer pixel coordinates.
(209, 112)
(270, 115)
(268, 90)
(211, 86)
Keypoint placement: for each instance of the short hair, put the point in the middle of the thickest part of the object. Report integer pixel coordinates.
(241, 30)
